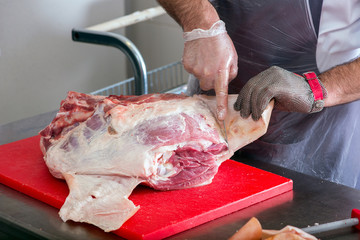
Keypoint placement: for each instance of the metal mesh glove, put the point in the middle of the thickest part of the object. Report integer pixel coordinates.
(211, 57)
(291, 92)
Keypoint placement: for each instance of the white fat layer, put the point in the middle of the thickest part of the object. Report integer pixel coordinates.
(105, 154)
(99, 200)
(123, 153)
(127, 117)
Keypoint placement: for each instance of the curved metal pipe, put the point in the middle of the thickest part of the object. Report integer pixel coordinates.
(122, 43)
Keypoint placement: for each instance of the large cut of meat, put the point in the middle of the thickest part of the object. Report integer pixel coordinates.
(105, 146)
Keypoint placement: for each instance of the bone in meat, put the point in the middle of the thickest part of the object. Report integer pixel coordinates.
(105, 146)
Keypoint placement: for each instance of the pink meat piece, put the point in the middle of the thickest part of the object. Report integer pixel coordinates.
(105, 146)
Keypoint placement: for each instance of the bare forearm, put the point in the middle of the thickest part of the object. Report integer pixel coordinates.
(342, 83)
(191, 14)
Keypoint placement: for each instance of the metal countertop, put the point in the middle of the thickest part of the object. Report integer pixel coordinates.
(312, 201)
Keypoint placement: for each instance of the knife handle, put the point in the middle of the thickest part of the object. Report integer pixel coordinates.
(353, 221)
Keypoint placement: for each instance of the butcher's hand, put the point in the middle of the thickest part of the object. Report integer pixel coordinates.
(211, 57)
(291, 92)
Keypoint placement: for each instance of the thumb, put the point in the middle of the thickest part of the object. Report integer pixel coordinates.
(221, 91)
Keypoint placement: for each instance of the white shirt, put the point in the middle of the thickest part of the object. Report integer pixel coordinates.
(339, 33)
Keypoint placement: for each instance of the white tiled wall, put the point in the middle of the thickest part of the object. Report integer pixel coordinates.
(159, 40)
(39, 62)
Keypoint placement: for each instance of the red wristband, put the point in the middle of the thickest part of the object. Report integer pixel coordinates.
(314, 85)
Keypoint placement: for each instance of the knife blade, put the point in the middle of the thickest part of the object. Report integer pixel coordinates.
(223, 130)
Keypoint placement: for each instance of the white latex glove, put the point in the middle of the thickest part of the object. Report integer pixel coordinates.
(211, 57)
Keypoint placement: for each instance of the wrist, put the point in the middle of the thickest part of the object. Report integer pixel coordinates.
(203, 18)
(318, 91)
(199, 23)
(216, 29)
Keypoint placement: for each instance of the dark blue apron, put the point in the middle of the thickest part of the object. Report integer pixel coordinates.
(284, 33)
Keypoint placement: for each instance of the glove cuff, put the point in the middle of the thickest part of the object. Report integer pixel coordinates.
(318, 90)
(216, 29)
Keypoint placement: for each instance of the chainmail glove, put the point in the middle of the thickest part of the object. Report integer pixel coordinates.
(291, 92)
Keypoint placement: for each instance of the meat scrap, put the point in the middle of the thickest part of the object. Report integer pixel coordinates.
(253, 230)
(105, 146)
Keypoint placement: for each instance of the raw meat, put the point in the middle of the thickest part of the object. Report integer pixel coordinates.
(105, 146)
(253, 230)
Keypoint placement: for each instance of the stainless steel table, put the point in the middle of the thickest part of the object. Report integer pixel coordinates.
(312, 201)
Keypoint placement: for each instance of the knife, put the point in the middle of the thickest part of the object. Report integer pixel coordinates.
(223, 129)
(353, 221)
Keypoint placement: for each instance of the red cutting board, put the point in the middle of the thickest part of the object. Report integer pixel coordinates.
(161, 214)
